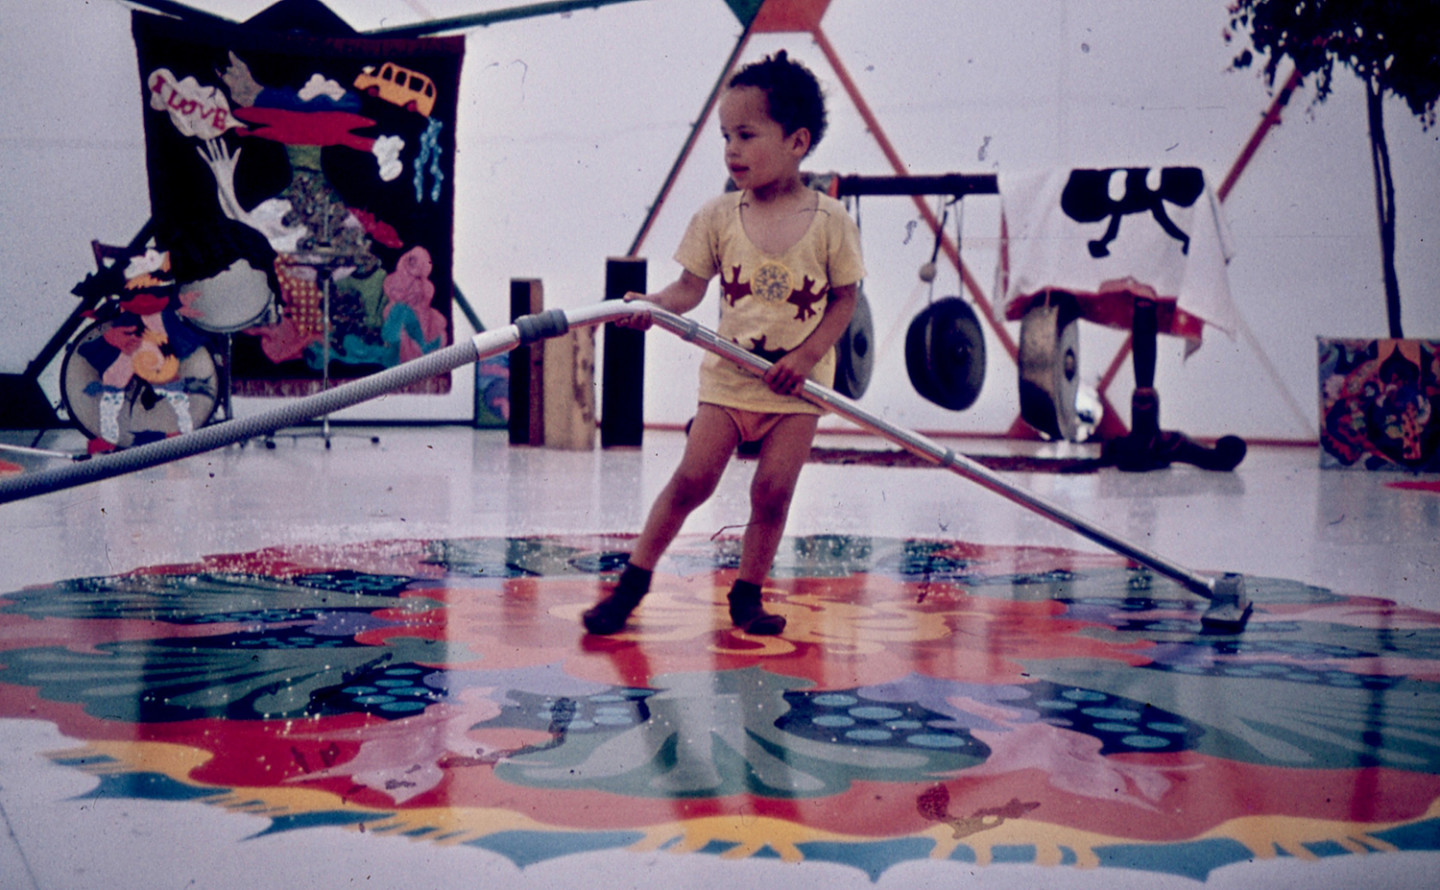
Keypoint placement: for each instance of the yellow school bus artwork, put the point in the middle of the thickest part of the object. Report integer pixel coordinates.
(410, 90)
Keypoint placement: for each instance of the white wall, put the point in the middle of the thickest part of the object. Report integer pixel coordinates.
(568, 125)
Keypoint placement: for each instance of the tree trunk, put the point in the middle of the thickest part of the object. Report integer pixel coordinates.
(1384, 200)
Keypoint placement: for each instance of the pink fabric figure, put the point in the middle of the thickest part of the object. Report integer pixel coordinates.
(410, 286)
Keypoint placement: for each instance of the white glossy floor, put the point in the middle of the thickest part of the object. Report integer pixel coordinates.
(86, 809)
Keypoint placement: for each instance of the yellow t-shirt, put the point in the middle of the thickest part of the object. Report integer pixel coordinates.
(768, 304)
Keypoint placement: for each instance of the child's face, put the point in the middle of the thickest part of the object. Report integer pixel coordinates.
(758, 152)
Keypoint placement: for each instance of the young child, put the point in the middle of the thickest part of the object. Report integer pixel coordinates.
(789, 263)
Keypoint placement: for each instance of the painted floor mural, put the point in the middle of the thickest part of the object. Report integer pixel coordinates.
(930, 699)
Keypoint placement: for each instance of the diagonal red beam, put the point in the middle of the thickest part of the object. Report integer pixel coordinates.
(952, 252)
(674, 174)
(1269, 121)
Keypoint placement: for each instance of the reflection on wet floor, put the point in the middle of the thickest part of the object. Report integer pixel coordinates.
(931, 699)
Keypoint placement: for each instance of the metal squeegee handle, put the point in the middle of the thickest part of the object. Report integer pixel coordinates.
(539, 326)
(816, 394)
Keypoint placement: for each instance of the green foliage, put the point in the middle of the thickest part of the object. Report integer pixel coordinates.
(1393, 44)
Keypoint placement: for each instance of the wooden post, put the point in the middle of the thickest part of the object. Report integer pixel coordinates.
(622, 407)
(527, 380)
(569, 374)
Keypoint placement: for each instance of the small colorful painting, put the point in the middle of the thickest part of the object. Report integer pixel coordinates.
(1378, 401)
(930, 700)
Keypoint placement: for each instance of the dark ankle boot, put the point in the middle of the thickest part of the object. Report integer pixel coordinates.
(608, 616)
(749, 615)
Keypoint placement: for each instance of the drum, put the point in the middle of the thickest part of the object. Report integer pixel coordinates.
(149, 393)
(236, 299)
(1050, 368)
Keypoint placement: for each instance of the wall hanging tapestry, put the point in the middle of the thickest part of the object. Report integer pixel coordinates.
(303, 183)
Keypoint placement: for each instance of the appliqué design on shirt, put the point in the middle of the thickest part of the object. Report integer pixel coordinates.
(732, 288)
(805, 299)
(772, 282)
(769, 303)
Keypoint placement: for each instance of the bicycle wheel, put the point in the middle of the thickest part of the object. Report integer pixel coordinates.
(128, 409)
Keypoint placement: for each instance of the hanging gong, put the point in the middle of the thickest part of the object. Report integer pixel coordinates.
(854, 353)
(1050, 368)
(945, 353)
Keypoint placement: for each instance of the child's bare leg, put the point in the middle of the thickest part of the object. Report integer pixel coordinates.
(712, 440)
(708, 448)
(782, 455)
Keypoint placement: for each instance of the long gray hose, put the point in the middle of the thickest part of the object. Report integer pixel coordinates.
(487, 343)
(1229, 604)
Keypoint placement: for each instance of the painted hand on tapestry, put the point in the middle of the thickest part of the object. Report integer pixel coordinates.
(267, 217)
(321, 114)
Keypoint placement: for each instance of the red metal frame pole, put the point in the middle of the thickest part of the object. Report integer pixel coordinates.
(654, 210)
(952, 252)
(1270, 120)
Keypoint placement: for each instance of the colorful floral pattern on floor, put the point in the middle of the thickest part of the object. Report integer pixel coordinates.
(929, 699)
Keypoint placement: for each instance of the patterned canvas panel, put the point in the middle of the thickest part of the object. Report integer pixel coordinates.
(1378, 401)
(289, 171)
(930, 700)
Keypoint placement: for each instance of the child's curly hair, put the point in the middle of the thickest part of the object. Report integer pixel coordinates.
(793, 93)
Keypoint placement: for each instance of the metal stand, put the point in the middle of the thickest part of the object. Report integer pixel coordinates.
(1148, 447)
(324, 261)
